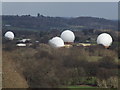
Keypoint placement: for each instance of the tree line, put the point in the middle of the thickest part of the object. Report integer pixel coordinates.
(49, 23)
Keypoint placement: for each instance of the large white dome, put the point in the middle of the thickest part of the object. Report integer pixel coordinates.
(68, 36)
(9, 35)
(104, 39)
(56, 42)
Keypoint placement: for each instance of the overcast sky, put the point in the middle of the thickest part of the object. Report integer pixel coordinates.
(108, 10)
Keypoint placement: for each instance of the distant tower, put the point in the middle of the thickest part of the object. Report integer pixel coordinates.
(38, 15)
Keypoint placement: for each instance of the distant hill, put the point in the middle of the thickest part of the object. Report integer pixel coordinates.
(56, 23)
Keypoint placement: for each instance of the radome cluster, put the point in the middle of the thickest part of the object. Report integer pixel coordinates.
(68, 36)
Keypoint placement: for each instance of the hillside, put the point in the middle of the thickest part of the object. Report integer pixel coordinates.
(11, 76)
(41, 22)
(47, 67)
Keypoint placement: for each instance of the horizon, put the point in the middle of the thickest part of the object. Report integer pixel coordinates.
(106, 10)
(61, 17)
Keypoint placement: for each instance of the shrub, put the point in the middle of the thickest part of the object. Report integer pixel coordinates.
(107, 62)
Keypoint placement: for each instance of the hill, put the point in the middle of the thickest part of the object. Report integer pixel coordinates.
(11, 76)
(27, 22)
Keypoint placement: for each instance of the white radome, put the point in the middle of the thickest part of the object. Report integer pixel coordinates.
(68, 36)
(56, 42)
(9, 35)
(104, 39)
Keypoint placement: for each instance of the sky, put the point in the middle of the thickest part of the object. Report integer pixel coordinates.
(107, 10)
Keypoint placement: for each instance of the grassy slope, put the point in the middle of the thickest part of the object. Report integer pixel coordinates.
(11, 78)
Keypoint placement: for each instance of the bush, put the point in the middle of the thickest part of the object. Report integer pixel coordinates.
(107, 62)
(45, 66)
(91, 69)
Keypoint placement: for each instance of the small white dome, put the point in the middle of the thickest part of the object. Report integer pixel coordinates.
(68, 36)
(56, 42)
(9, 35)
(104, 39)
